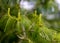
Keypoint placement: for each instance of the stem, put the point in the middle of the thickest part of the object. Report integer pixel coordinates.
(35, 14)
(10, 15)
(40, 18)
(19, 15)
(9, 12)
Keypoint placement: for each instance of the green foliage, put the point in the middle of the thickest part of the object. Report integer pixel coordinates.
(22, 26)
(15, 27)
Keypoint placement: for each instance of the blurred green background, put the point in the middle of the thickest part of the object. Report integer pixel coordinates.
(24, 23)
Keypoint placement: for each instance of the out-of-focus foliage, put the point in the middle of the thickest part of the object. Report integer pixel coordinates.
(22, 26)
